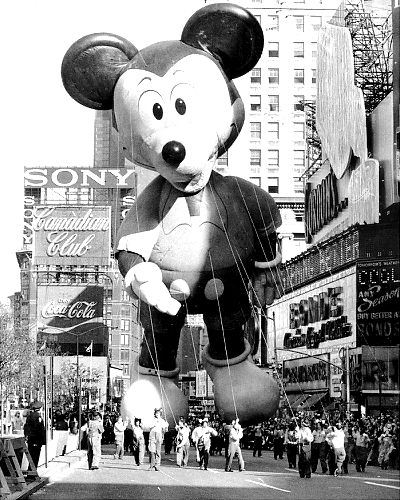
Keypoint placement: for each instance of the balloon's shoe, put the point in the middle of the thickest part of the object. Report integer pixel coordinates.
(241, 389)
(154, 389)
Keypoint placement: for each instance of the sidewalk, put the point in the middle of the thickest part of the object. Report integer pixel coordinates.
(55, 468)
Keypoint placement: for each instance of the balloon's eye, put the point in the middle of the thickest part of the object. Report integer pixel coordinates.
(158, 111)
(180, 106)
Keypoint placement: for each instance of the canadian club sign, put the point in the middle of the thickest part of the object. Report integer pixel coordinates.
(71, 235)
(65, 312)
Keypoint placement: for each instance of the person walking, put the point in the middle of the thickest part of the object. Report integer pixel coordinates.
(235, 436)
(318, 449)
(304, 439)
(119, 434)
(362, 442)
(291, 445)
(335, 438)
(182, 443)
(386, 447)
(279, 438)
(138, 442)
(258, 439)
(202, 440)
(95, 430)
(35, 432)
(157, 430)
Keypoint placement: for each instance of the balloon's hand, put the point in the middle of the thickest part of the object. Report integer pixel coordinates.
(267, 282)
(145, 281)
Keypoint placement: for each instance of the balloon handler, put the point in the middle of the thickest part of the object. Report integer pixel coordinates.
(195, 242)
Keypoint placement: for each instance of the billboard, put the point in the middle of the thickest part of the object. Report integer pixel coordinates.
(306, 373)
(68, 235)
(378, 293)
(71, 318)
(79, 177)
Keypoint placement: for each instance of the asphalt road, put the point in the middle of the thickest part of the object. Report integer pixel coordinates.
(263, 478)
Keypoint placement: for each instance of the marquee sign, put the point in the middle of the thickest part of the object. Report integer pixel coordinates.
(71, 235)
(306, 373)
(78, 177)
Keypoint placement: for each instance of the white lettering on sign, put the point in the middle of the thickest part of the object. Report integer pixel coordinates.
(79, 177)
(64, 309)
(44, 221)
(64, 245)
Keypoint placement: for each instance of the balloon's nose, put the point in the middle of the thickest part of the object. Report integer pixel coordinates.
(174, 153)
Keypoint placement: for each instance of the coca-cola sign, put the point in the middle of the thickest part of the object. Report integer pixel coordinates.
(72, 310)
(71, 235)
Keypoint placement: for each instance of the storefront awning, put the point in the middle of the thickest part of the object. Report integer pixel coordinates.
(313, 400)
(295, 400)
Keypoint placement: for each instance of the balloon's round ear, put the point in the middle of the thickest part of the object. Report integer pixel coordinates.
(230, 33)
(92, 66)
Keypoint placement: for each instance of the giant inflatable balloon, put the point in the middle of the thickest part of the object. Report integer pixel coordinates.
(195, 242)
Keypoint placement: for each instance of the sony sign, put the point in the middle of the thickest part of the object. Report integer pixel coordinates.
(78, 177)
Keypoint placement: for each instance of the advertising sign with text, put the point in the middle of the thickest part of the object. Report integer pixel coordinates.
(70, 235)
(71, 315)
(306, 373)
(378, 293)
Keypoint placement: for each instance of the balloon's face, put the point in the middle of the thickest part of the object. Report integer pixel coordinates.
(177, 122)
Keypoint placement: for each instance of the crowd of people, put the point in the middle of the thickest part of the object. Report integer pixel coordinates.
(312, 444)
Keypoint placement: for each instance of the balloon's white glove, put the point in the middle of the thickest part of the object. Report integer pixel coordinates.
(145, 281)
(267, 282)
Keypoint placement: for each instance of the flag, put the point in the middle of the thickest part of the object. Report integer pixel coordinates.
(90, 348)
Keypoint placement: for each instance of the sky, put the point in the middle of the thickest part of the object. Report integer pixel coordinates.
(41, 125)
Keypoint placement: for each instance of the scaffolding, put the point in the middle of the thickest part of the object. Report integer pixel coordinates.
(372, 50)
(372, 42)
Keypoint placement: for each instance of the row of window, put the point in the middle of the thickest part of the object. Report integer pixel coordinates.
(298, 49)
(272, 184)
(273, 76)
(272, 131)
(273, 159)
(272, 22)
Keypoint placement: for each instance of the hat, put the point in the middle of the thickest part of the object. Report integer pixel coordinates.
(36, 405)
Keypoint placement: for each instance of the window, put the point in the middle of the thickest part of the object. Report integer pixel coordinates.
(255, 103)
(255, 157)
(314, 50)
(124, 355)
(126, 311)
(125, 325)
(223, 159)
(316, 22)
(108, 322)
(273, 185)
(273, 131)
(298, 49)
(273, 103)
(124, 296)
(256, 76)
(124, 339)
(273, 76)
(255, 130)
(110, 338)
(125, 369)
(273, 159)
(298, 185)
(313, 76)
(256, 181)
(273, 23)
(273, 49)
(299, 76)
(298, 103)
(298, 160)
(298, 131)
(299, 23)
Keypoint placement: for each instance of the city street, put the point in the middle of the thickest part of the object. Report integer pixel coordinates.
(263, 478)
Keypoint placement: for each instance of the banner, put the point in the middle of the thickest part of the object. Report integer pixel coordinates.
(71, 317)
(71, 235)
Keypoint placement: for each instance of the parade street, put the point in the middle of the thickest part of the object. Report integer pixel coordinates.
(263, 478)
